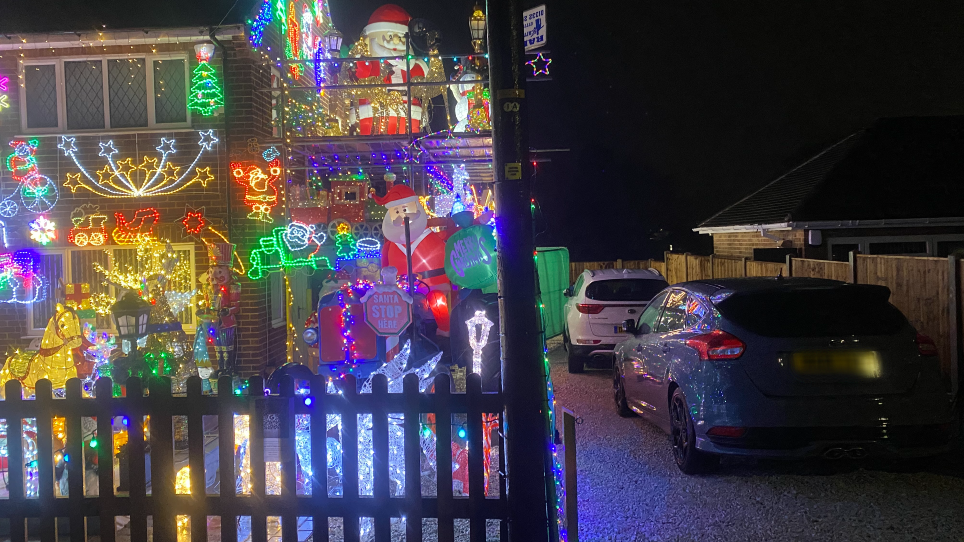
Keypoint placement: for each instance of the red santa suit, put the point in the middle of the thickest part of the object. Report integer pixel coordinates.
(390, 18)
(428, 256)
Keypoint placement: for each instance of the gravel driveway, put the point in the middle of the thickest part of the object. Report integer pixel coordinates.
(630, 489)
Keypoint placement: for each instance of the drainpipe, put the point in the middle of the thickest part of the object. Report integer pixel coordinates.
(227, 120)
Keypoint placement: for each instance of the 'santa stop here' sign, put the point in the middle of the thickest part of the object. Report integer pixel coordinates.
(387, 312)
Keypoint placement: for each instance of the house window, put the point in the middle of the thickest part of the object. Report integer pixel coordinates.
(40, 93)
(277, 301)
(104, 93)
(74, 266)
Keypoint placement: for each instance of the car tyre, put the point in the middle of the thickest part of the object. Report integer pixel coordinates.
(619, 395)
(688, 458)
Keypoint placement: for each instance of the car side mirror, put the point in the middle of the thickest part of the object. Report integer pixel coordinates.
(643, 329)
(567, 292)
(630, 326)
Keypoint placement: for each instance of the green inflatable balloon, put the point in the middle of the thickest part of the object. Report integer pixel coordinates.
(470, 257)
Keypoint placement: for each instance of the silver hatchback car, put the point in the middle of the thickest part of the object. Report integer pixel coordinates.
(788, 368)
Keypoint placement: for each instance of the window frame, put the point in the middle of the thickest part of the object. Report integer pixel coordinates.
(67, 274)
(657, 308)
(280, 318)
(662, 314)
(148, 59)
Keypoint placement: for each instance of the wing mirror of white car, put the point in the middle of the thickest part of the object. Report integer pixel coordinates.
(567, 292)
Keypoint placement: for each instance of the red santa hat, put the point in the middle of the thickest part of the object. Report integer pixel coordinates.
(388, 17)
(400, 194)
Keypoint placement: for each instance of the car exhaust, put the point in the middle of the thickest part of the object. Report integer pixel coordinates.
(840, 453)
(834, 453)
(856, 453)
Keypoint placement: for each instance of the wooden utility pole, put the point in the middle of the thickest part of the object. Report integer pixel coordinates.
(523, 370)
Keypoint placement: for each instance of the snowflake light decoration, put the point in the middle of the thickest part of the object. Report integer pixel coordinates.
(42, 230)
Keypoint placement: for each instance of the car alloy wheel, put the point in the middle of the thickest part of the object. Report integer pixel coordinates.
(688, 458)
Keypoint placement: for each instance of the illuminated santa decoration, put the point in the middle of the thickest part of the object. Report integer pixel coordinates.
(385, 35)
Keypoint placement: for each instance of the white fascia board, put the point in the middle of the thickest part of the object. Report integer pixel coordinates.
(781, 226)
(64, 40)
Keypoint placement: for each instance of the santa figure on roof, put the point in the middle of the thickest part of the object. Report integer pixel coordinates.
(384, 36)
(427, 247)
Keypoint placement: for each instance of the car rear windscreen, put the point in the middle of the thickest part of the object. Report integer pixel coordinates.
(814, 312)
(624, 289)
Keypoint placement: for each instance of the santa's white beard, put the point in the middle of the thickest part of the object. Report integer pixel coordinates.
(396, 232)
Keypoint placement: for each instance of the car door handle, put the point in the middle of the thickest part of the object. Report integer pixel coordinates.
(665, 348)
(639, 348)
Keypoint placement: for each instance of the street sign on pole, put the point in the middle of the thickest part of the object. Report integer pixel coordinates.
(534, 25)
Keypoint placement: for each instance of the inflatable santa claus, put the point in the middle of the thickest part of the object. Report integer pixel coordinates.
(427, 247)
(385, 36)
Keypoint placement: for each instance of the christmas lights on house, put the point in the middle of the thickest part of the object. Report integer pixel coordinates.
(124, 179)
(206, 95)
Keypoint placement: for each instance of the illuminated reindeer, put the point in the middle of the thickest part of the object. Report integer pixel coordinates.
(88, 226)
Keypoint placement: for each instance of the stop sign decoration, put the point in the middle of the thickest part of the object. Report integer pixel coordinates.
(388, 310)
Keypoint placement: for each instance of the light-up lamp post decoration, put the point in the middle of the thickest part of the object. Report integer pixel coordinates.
(479, 327)
(130, 315)
(332, 42)
(477, 28)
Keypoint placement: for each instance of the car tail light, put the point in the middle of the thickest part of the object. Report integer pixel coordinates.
(590, 308)
(717, 344)
(925, 345)
(726, 431)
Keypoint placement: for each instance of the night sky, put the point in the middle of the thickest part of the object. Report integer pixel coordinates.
(672, 110)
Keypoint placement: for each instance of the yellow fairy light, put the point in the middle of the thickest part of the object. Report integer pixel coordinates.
(182, 482)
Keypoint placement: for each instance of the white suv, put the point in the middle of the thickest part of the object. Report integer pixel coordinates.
(599, 302)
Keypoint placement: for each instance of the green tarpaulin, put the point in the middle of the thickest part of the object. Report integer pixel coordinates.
(552, 264)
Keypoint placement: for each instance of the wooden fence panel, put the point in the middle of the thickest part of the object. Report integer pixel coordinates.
(659, 266)
(765, 269)
(698, 267)
(273, 443)
(725, 268)
(918, 287)
(821, 269)
(675, 268)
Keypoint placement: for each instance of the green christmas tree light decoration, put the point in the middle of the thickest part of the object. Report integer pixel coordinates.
(345, 245)
(206, 93)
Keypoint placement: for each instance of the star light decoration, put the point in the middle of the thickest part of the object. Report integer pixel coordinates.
(121, 178)
(193, 220)
(539, 65)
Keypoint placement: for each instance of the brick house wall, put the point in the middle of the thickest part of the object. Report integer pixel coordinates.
(247, 114)
(741, 244)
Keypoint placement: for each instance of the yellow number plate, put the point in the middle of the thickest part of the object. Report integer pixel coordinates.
(865, 364)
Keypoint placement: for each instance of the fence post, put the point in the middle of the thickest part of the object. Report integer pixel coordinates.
(852, 258)
(712, 268)
(686, 266)
(569, 442)
(619, 263)
(953, 319)
(789, 266)
(744, 265)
